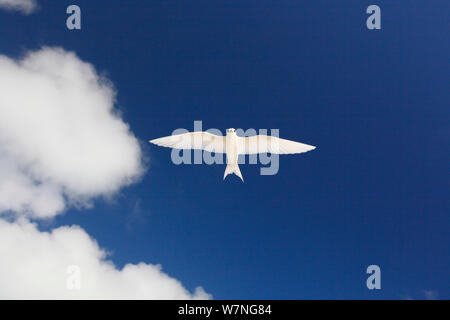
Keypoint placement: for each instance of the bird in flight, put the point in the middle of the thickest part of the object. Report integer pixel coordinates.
(232, 145)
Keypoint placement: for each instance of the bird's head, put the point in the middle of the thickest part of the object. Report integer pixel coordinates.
(231, 131)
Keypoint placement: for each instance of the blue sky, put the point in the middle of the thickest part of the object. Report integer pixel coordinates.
(375, 103)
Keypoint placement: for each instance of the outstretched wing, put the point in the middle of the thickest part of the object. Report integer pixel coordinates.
(193, 140)
(270, 144)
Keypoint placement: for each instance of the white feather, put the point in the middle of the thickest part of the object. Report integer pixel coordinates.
(270, 144)
(193, 140)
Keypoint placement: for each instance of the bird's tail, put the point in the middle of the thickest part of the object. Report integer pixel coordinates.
(233, 168)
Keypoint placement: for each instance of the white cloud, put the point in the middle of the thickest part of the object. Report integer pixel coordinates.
(34, 266)
(62, 143)
(24, 6)
(430, 294)
(61, 140)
